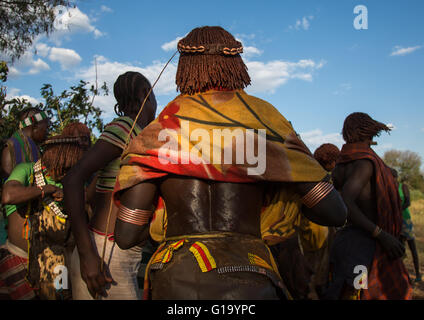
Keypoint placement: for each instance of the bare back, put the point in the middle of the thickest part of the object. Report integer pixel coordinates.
(200, 206)
(366, 199)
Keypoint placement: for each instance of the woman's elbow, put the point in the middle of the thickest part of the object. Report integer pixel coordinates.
(123, 242)
(5, 197)
(340, 216)
(338, 210)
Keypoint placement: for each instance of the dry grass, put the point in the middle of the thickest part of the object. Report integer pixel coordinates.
(417, 214)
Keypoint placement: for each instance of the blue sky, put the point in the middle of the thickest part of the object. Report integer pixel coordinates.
(305, 57)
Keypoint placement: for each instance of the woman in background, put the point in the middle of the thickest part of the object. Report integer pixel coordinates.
(120, 266)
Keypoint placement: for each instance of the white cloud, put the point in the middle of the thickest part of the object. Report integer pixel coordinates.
(104, 8)
(70, 22)
(13, 73)
(171, 45)
(391, 126)
(268, 76)
(250, 51)
(27, 64)
(313, 139)
(303, 23)
(244, 36)
(67, 58)
(37, 66)
(400, 51)
(14, 93)
(31, 63)
(265, 76)
(42, 49)
(108, 71)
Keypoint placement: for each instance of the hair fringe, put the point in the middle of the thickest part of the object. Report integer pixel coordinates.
(81, 129)
(326, 154)
(198, 72)
(359, 127)
(59, 158)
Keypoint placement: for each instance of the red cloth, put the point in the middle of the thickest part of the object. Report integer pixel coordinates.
(13, 285)
(387, 279)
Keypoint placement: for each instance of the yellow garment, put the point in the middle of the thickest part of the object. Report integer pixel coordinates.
(159, 223)
(280, 218)
(312, 236)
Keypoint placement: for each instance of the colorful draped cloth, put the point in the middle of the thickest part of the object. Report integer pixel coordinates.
(387, 279)
(13, 268)
(217, 135)
(22, 149)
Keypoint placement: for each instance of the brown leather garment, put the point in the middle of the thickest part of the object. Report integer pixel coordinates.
(235, 276)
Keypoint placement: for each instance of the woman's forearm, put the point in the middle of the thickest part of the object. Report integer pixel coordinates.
(17, 194)
(74, 197)
(357, 217)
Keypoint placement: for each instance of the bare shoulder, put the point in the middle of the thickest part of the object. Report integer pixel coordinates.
(358, 170)
(363, 165)
(6, 160)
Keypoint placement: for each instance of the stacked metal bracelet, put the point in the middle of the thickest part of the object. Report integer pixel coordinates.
(134, 216)
(317, 193)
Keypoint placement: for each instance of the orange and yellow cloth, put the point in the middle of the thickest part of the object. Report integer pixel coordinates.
(287, 158)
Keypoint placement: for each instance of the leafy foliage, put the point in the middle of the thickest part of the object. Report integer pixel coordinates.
(21, 21)
(73, 104)
(408, 164)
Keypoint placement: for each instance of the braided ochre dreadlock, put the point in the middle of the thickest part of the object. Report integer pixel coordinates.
(359, 127)
(76, 129)
(326, 154)
(60, 154)
(199, 71)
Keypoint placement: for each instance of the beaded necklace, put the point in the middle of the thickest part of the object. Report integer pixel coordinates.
(39, 181)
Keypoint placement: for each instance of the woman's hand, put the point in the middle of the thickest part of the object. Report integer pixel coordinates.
(394, 248)
(95, 279)
(55, 192)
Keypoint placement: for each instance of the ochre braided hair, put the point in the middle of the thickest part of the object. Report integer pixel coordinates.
(210, 58)
(76, 129)
(60, 154)
(326, 154)
(359, 127)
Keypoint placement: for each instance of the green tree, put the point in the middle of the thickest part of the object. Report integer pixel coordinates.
(408, 164)
(22, 20)
(4, 70)
(74, 104)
